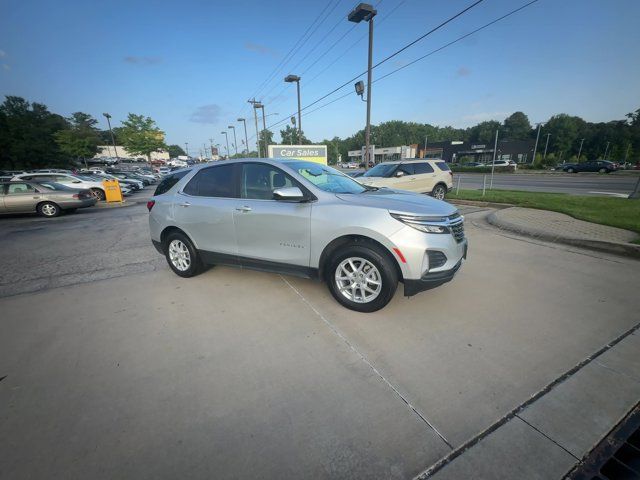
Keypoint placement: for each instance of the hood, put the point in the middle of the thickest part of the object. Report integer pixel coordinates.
(400, 201)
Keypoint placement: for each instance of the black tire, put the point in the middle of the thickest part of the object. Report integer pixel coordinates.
(439, 191)
(603, 170)
(195, 265)
(48, 209)
(99, 194)
(571, 170)
(386, 272)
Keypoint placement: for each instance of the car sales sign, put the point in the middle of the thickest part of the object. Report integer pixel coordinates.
(311, 153)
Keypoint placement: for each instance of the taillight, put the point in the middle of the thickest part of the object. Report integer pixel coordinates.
(150, 204)
(76, 196)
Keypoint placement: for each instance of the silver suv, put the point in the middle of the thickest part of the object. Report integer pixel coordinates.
(307, 219)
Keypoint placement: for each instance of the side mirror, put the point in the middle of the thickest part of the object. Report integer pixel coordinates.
(399, 173)
(76, 181)
(289, 194)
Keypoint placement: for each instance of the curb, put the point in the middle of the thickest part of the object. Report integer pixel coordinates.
(617, 248)
(478, 203)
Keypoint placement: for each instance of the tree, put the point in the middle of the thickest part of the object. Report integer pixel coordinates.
(484, 132)
(517, 127)
(82, 139)
(26, 135)
(266, 139)
(290, 136)
(175, 151)
(140, 135)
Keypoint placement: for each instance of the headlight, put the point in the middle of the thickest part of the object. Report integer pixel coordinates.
(424, 224)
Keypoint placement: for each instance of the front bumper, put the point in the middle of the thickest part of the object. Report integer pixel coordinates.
(433, 279)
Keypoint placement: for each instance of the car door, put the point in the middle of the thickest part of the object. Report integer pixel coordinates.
(426, 177)
(21, 197)
(407, 180)
(270, 232)
(3, 187)
(204, 210)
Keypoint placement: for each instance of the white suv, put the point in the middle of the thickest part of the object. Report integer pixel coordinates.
(68, 179)
(422, 176)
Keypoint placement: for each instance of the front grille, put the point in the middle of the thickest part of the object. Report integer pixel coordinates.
(457, 230)
(436, 259)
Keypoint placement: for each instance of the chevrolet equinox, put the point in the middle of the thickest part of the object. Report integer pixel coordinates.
(303, 218)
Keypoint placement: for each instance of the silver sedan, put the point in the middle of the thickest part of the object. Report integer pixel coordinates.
(47, 199)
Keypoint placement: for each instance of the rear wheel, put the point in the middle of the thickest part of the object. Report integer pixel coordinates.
(362, 278)
(99, 194)
(182, 256)
(48, 209)
(571, 170)
(439, 191)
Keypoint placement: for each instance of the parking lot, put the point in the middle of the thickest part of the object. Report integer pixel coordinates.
(114, 367)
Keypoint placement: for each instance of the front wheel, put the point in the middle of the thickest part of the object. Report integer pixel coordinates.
(362, 278)
(99, 194)
(571, 170)
(603, 170)
(182, 256)
(439, 191)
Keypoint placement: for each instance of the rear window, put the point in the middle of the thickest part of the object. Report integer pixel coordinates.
(168, 182)
(423, 168)
(443, 166)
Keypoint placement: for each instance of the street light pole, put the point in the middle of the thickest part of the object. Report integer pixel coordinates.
(366, 12)
(580, 151)
(186, 148)
(290, 79)
(227, 138)
(246, 139)
(255, 117)
(546, 145)
(606, 150)
(113, 139)
(535, 148)
(235, 140)
(493, 164)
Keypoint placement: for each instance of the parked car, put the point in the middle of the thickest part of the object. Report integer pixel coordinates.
(422, 176)
(602, 166)
(473, 164)
(307, 219)
(48, 200)
(352, 165)
(74, 181)
(164, 170)
(503, 163)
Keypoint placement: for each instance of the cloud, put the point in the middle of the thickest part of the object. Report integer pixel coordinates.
(3, 54)
(261, 49)
(210, 113)
(142, 60)
(6, 67)
(463, 72)
(482, 116)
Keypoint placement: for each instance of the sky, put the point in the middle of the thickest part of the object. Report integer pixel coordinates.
(192, 65)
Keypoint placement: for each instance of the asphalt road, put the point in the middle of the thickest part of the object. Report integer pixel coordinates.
(111, 366)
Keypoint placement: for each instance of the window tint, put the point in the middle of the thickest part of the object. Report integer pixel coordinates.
(407, 168)
(443, 166)
(167, 182)
(17, 188)
(259, 180)
(423, 168)
(213, 182)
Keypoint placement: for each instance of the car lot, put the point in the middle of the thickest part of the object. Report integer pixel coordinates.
(114, 367)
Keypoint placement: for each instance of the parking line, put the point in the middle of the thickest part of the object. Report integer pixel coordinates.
(364, 359)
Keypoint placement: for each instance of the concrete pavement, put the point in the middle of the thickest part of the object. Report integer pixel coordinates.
(237, 373)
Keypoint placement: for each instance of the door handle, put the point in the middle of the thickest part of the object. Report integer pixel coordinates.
(244, 209)
(185, 204)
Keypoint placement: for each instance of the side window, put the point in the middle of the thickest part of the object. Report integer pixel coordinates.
(213, 182)
(168, 182)
(443, 166)
(407, 168)
(259, 180)
(18, 188)
(423, 168)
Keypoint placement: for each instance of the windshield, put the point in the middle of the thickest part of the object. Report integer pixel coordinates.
(381, 170)
(326, 178)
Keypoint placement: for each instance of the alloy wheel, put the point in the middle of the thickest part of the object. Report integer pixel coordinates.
(358, 280)
(439, 193)
(179, 255)
(49, 210)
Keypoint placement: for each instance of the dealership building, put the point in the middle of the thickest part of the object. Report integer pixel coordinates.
(519, 151)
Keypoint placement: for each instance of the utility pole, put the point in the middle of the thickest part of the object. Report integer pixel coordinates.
(606, 150)
(211, 143)
(535, 148)
(426, 138)
(580, 151)
(493, 164)
(113, 139)
(186, 148)
(227, 138)
(255, 117)
(546, 146)
(626, 155)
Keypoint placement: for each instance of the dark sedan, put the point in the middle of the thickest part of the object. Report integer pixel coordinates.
(46, 199)
(602, 166)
